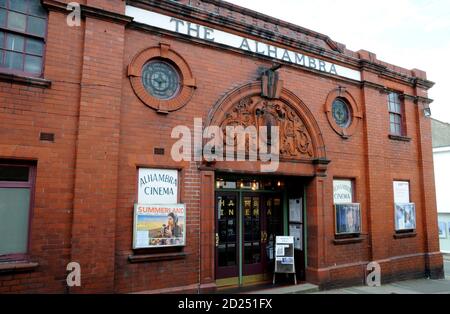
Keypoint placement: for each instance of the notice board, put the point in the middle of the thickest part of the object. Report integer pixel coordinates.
(284, 255)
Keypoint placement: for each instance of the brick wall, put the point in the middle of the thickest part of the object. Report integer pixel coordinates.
(86, 180)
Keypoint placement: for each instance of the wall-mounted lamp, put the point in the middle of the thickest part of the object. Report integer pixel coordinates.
(427, 112)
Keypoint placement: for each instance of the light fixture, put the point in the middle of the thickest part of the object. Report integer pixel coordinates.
(427, 112)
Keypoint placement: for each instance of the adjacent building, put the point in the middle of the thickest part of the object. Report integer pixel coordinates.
(441, 152)
(109, 164)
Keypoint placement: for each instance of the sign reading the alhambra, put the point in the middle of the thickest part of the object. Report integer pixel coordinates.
(208, 34)
(158, 186)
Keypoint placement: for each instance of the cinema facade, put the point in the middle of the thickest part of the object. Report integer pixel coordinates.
(87, 174)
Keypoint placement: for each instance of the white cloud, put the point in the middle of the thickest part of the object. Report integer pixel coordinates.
(407, 33)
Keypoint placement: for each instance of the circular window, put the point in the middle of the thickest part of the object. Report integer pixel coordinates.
(161, 79)
(341, 113)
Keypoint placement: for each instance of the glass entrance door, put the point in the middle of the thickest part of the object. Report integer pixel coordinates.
(227, 246)
(254, 232)
(274, 227)
(247, 224)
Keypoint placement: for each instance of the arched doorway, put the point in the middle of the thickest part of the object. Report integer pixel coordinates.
(251, 208)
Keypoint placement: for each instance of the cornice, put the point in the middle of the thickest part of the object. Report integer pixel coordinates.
(423, 100)
(366, 65)
(54, 5)
(266, 18)
(321, 162)
(384, 90)
(88, 11)
(426, 84)
(385, 72)
(408, 97)
(410, 80)
(194, 14)
(378, 87)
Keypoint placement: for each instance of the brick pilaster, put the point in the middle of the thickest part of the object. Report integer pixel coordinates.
(433, 259)
(93, 230)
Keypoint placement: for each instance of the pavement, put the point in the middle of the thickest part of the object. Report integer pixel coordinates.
(298, 289)
(420, 286)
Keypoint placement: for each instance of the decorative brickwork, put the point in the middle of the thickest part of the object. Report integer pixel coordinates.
(92, 99)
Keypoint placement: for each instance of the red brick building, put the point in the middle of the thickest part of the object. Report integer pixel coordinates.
(87, 112)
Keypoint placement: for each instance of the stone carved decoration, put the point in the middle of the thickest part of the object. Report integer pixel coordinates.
(271, 85)
(295, 140)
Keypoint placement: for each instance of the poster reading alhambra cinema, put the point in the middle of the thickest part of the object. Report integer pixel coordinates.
(158, 226)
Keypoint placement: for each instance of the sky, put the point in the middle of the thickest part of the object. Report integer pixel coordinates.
(407, 33)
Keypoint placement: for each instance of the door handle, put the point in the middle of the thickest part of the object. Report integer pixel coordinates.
(263, 237)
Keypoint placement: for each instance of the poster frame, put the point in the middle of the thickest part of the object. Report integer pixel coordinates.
(134, 239)
(358, 205)
(444, 225)
(398, 230)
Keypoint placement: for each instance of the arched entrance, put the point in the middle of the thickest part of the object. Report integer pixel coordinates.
(251, 208)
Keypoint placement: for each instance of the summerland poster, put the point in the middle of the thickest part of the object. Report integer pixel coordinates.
(157, 226)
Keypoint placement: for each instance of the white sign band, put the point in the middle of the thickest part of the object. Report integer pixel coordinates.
(212, 35)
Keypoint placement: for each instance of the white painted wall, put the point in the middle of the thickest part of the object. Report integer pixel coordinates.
(444, 240)
(442, 177)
